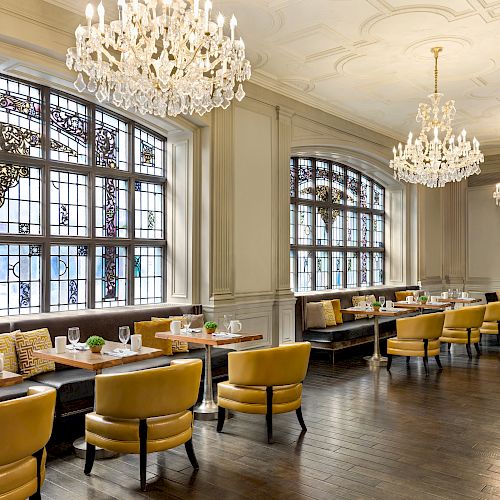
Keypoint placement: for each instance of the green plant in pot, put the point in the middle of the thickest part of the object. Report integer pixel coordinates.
(210, 327)
(423, 299)
(376, 305)
(95, 343)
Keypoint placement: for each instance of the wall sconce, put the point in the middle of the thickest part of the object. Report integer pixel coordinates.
(496, 194)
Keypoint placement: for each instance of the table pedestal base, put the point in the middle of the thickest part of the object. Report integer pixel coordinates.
(375, 360)
(80, 449)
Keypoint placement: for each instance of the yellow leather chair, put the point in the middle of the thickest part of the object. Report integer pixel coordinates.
(491, 323)
(417, 336)
(25, 428)
(265, 381)
(143, 412)
(461, 326)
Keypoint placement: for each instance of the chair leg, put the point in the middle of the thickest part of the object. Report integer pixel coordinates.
(38, 455)
(389, 361)
(269, 414)
(221, 417)
(89, 458)
(407, 360)
(469, 353)
(449, 346)
(300, 418)
(143, 451)
(438, 361)
(190, 453)
(478, 349)
(426, 365)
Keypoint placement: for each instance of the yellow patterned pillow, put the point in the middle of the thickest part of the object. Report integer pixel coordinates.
(8, 349)
(328, 313)
(26, 343)
(357, 299)
(401, 296)
(336, 310)
(148, 330)
(177, 345)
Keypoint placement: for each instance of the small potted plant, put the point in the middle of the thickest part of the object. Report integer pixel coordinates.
(423, 299)
(95, 343)
(376, 305)
(210, 327)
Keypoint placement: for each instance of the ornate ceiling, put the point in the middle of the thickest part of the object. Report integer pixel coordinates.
(369, 60)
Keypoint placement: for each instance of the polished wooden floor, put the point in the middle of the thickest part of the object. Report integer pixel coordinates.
(371, 435)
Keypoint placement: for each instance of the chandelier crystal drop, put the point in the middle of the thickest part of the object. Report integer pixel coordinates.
(437, 156)
(162, 57)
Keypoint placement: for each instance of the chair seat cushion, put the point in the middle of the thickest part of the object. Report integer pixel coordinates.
(122, 435)
(409, 347)
(489, 327)
(253, 399)
(18, 479)
(17, 390)
(459, 335)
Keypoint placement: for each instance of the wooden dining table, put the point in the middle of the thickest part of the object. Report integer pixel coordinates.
(9, 378)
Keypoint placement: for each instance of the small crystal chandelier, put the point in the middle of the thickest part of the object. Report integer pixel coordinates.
(433, 161)
(162, 57)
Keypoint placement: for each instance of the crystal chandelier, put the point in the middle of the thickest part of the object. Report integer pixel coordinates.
(162, 57)
(430, 160)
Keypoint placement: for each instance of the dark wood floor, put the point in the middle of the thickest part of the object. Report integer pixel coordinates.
(371, 435)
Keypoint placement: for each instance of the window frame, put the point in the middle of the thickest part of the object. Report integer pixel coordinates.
(344, 249)
(91, 170)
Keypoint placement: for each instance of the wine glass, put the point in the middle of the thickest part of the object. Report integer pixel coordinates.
(188, 319)
(74, 336)
(227, 321)
(124, 335)
(381, 299)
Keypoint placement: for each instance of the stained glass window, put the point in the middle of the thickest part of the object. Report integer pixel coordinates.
(336, 225)
(21, 209)
(111, 145)
(111, 202)
(20, 279)
(148, 210)
(111, 276)
(68, 204)
(68, 277)
(148, 272)
(89, 197)
(68, 130)
(149, 153)
(20, 118)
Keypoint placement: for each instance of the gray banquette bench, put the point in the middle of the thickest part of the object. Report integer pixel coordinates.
(75, 386)
(352, 332)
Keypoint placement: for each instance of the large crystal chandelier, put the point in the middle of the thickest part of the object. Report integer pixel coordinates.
(431, 160)
(162, 57)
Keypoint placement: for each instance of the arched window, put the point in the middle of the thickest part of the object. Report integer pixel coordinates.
(81, 204)
(336, 226)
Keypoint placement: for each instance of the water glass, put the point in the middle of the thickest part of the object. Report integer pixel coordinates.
(188, 319)
(74, 336)
(381, 299)
(227, 321)
(124, 335)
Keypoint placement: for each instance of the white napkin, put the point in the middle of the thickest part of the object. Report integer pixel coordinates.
(224, 334)
(79, 346)
(119, 353)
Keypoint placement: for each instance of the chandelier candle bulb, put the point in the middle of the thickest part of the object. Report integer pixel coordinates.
(100, 13)
(89, 14)
(233, 23)
(196, 8)
(208, 7)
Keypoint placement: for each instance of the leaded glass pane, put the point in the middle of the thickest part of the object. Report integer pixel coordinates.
(352, 229)
(293, 175)
(68, 277)
(68, 204)
(338, 270)
(378, 231)
(111, 204)
(306, 179)
(111, 276)
(20, 212)
(68, 130)
(20, 118)
(304, 225)
(322, 270)
(292, 270)
(148, 210)
(148, 272)
(366, 230)
(111, 141)
(352, 269)
(378, 268)
(148, 153)
(322, 226)
(365, 193)
(338, 187)
(365, 266)
(322, 181)
(20, 286)
(292, 224)
(352, 188)
(337, 227)
(378, 197)
(305, 269)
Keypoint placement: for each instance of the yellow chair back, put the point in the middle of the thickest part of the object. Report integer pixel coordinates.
(26, 424)
(425, 326)
(467, 317)
(282, 365)
(149, 393)
(492, 312)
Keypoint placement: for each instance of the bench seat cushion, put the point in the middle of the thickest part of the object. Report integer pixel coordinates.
(16, 390)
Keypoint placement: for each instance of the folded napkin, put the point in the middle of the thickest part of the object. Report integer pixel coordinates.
(224, 334)
(120, 353)
(80, 346)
